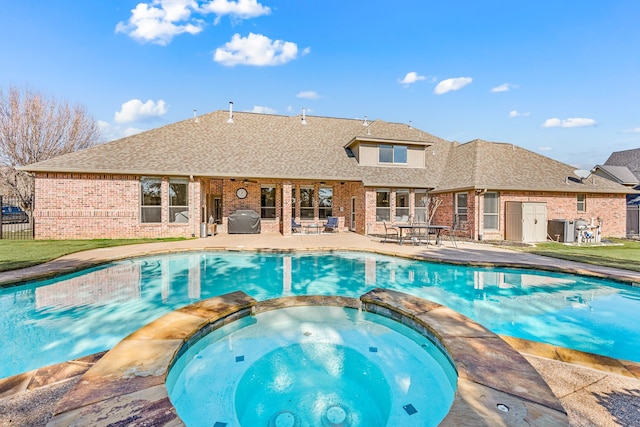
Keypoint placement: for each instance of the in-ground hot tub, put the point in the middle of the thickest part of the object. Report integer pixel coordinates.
(495, 386)
(313, 366)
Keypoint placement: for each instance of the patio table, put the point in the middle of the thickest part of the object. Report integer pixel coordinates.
(436, 228)
(309, 227)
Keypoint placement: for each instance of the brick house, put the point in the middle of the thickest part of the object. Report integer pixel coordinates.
(623, 167)
(167, 181)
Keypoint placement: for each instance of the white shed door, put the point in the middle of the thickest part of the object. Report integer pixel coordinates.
(534, 222)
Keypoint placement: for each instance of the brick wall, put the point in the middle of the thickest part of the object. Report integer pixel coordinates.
(611, 208)
(84, 206)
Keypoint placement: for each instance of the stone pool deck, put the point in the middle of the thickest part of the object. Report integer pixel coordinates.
(593, 390)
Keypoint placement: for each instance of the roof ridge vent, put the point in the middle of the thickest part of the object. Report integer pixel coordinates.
(230, 119)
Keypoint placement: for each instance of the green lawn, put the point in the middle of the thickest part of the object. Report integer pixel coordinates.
(16, 254)
(625, 254)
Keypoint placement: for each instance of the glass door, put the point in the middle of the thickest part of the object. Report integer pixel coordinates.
(352, 226)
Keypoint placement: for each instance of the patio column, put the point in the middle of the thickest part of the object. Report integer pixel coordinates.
(286, 209)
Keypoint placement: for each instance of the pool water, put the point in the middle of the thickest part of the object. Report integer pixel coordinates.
(52, 321)
(313, 366)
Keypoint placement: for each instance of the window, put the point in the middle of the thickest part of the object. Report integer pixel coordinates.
(293, 201)
(399, 154)
(421, 202)
(461, 208)
(402, 205)
(491, 208)
(307, 195)
(392, 153)
(178, 200)
(325, 202)
(582, 202)
(385, 153)
(383, 209)
(151, 199)
(268, 202)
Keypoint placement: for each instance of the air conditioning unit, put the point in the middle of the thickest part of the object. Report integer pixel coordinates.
(561, 230)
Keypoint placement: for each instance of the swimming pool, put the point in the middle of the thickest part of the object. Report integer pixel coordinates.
(75, 315)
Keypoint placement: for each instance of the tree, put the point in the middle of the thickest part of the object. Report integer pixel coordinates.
(34, 128)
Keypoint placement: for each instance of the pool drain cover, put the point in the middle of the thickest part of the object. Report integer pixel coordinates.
(284, 419)
(335, 416)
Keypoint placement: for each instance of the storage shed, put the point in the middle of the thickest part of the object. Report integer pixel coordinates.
(526, 221)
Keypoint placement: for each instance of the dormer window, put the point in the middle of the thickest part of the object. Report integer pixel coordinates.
(392, 153)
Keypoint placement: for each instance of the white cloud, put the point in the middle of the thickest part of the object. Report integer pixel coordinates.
(263, 110)
(159, 21)
(256, 49)
(241, 9)
(634, 130)
(135, 111)
(505, 87)
(573, 122)
(309, 94)
(515, 113)
(112, 132)
(411, 77)
(452, 84)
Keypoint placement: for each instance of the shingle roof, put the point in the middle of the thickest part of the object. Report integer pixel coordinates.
(274, 146)
(619, 174)
(254, 145)
(628, 158)
(498, 166)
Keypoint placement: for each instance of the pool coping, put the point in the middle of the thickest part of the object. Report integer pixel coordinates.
(127, 384)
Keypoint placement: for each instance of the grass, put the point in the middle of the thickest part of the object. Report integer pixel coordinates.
(624, 254)
(16, 254)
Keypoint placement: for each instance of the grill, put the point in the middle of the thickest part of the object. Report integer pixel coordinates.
(244, 222)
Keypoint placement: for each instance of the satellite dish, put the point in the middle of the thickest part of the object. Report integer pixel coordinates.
(582, 174)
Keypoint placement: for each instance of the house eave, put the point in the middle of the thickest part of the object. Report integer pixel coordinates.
(540, 189)
(366, 139)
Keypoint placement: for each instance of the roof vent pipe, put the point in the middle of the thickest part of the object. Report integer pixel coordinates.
(365, 123)
(304, 120)
(195, 116)
(230, 119)
(410, 124)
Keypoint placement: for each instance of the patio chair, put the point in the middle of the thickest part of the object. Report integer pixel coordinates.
(295, 226)
(419, 233)
(390, 233)
(331, 224)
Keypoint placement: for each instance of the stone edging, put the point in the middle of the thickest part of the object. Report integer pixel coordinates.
(496, 385)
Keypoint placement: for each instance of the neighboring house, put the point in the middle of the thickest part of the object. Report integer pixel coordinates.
(167, 181)
(623, 167)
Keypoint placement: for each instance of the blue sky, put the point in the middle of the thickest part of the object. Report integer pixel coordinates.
(556, 77)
